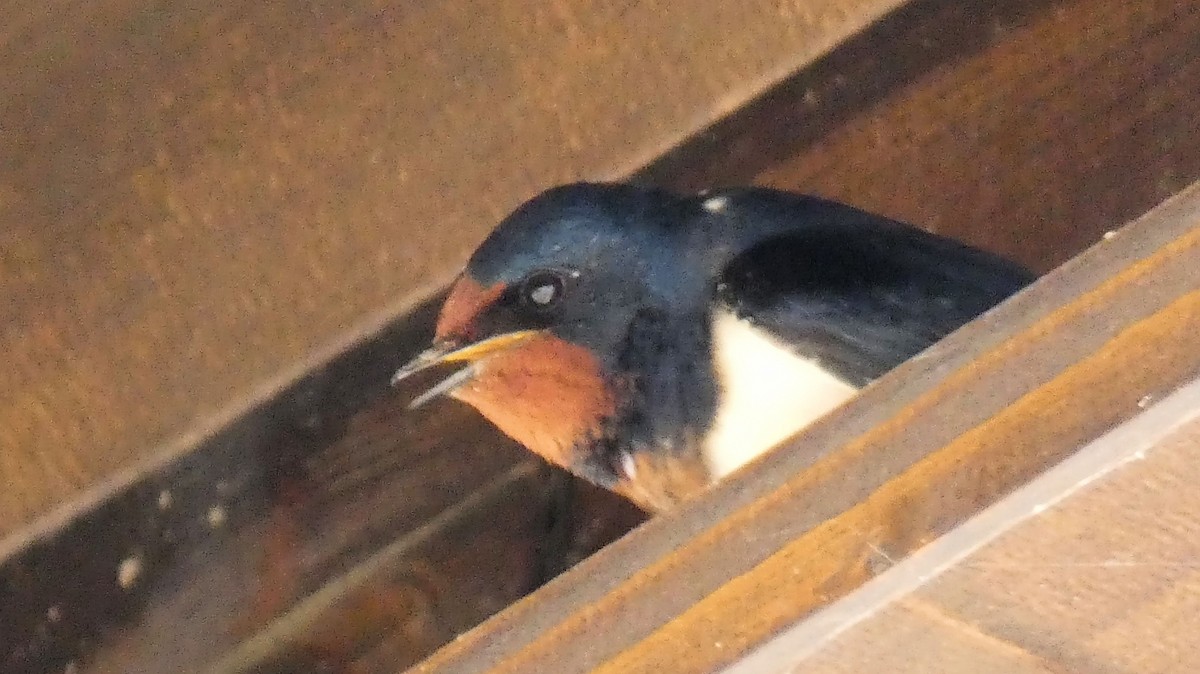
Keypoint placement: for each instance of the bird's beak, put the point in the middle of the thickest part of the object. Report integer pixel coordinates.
(452, 352)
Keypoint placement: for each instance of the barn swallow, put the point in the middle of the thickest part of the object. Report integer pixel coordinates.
(653, 342)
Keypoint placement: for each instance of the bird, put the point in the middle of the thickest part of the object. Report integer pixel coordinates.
(653, 342)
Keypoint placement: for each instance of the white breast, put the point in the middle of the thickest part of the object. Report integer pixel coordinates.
(766, 393)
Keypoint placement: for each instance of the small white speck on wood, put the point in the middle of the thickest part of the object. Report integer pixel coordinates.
(216, 517)
(128, 572)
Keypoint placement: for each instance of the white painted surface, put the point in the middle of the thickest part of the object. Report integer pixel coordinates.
(767, 393)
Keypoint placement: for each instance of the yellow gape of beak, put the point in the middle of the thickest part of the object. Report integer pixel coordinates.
(449, 352)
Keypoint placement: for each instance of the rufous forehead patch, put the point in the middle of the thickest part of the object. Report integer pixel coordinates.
(467, 299)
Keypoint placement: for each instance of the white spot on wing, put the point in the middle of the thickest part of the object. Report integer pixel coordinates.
(128, 572)
(767, 393)
(716, 204)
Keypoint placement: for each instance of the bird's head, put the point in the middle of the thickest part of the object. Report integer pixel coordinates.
(626, 333)
(537, 319)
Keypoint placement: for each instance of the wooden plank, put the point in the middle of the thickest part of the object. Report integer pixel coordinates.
(1029, 129)
(1004, 33)
(255, 519)
(918, 453)
(293, 497)
(876, 81)
(330, 617)
(219, 192)
(879, 81)
(1091, 567)
(1117, 571)
(232, 194)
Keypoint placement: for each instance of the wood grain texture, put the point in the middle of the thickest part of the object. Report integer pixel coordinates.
(1118, 583)
(983, 146)
(907, 62)
(918, 453)
(1028, 129)
(200, 201)
(886, 78)
(833, 119)
(945, 647)
(1104, 580)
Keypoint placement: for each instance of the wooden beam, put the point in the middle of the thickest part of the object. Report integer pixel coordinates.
(961, 131)
(829, 120)
(1028, 130)
(232, 194)
(918, 453)
(1093, 561)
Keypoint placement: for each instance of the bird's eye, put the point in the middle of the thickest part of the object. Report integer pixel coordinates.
(543, 289)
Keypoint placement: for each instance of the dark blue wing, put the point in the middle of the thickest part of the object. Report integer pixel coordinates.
(861, 294)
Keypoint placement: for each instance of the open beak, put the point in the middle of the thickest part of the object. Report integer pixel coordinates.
(451, 352)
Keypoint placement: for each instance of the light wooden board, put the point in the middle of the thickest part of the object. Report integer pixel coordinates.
(1092, 567)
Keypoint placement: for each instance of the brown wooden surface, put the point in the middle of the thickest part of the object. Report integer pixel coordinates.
(1026, 129)
(1090, 568)
(885, 100)
(916, 454)
(990, 54)
(1106, 135)
(201, 201)
(961, 54)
